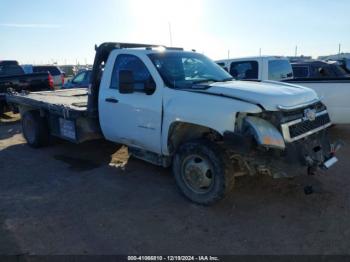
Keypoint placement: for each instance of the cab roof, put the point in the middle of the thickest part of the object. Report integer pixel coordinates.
(251, 58)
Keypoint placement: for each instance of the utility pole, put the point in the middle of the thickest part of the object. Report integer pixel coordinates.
(296, 51)
(260, 51)
(228, 54)
(170, 35)
(339, 49)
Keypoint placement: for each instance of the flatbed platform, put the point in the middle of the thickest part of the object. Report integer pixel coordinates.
(69, 103)
(65, 111)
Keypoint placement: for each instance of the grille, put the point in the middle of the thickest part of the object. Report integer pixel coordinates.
(299, 113)
(306, 126)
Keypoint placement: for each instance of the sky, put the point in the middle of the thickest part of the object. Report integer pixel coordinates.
(66, 31)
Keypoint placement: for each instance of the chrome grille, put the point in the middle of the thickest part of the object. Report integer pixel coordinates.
(306, 126)
(299, 113)
(302, 127)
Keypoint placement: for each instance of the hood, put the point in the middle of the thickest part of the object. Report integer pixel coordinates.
(269, 94)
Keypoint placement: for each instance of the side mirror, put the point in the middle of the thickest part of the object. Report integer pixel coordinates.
(126, 82)
(150, 86)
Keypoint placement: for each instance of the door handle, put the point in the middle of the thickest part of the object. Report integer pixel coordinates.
(111, 100)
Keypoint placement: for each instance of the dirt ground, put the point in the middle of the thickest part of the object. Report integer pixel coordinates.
(92, 199)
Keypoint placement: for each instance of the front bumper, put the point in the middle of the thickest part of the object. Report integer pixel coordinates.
(305, 156)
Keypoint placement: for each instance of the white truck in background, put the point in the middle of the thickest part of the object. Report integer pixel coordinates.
(333, 92)
(180, 109)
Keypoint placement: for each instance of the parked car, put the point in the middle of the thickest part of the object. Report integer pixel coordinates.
(55, 71)
(12, 77)
(172, 107)
(81, 80)
(333, 91)
(318, 69)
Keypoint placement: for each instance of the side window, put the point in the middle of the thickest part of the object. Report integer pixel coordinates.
(280, 70)
(223, 66)
(79, 78)
(11, 70)
(51, 69)
(326, 71)
(322, 71)
(131, 63)
(244, 70)
(301, 71)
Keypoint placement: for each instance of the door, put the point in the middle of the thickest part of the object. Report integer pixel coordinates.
(133, 119)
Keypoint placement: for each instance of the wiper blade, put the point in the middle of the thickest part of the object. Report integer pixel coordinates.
(212, 80)
(205, 81)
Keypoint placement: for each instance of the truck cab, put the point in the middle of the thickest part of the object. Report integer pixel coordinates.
(333, 90)
(275, 68)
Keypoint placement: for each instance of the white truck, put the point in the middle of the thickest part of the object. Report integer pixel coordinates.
(333, 92)
(179, 108)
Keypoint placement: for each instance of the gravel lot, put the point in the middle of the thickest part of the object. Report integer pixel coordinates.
(92, 199)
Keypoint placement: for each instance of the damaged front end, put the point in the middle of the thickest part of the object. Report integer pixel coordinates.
(284, 143)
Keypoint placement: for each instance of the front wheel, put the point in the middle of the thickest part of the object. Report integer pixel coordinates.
(202, 171)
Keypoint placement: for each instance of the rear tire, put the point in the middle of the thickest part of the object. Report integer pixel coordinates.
(203, 172)
(35, 129)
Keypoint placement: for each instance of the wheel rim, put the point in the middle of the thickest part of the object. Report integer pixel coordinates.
(197, 174)
(29, 130)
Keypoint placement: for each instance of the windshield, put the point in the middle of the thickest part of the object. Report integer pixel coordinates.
(186, 69)
(54, 71)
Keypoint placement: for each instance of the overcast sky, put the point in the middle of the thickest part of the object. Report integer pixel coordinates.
(66, 31)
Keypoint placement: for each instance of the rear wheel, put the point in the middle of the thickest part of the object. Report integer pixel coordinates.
(35, 129)
(203, 172)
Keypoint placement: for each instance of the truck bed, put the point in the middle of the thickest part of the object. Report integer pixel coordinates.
(70, 103)
(65, 111)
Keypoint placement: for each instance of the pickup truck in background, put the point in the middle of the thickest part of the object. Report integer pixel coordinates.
(333, 91)
(12, 77)
(177, 108)
(317, 69)
(54, 71)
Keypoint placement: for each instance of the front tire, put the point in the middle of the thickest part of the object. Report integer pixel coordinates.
(35, 129)
(203, 171)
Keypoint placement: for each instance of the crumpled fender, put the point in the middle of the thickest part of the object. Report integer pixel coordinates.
(265, 133)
